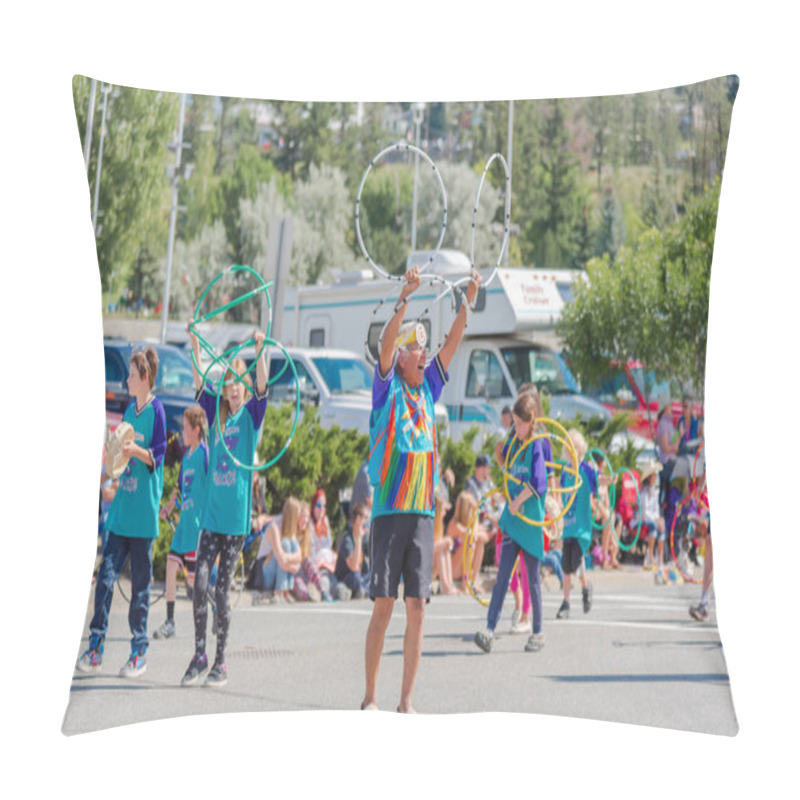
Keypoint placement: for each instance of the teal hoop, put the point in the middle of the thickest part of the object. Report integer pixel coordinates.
(639, 506)
(226, 356)
(253, 467)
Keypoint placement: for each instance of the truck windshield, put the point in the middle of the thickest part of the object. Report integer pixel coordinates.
(539, 367)
(344, 374)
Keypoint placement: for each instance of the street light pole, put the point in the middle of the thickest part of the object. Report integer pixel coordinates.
(105, 90)
(173, 214)
(417, 111)
(87, 138)
(510, 153)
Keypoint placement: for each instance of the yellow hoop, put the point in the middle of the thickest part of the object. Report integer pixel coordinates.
(571, 490)
(469, 546)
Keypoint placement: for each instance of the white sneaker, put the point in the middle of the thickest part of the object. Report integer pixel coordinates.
(521, 626)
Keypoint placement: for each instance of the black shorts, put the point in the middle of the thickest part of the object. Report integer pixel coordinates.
(186, 561)
(571, 556)
(401, 545)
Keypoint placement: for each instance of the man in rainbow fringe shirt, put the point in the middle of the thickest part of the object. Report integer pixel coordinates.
(404, 471)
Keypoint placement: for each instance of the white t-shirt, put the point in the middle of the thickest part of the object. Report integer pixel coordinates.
(266, 545)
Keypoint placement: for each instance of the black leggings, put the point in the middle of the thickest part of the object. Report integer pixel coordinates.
(228, 548)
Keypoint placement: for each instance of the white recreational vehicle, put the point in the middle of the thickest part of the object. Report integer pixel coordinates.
(510, 337)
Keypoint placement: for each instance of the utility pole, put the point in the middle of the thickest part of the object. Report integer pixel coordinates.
(510, 153)
(106, 89)
(87, 138)
(174, 173)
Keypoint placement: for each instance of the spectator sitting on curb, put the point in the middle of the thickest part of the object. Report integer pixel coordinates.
(350, 557)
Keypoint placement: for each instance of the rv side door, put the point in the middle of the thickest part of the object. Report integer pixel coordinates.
(486, 388)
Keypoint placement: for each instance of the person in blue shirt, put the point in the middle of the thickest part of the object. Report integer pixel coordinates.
(132, 521)
(191, 491)
(689, 427)
(225, 518)
(403, 468)
(527, 488)
(577, 535)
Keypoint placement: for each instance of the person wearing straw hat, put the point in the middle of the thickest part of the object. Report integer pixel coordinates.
(652, 520)
(133, 517)
(403, 469)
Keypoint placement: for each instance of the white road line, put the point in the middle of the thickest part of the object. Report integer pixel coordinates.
(688, 627)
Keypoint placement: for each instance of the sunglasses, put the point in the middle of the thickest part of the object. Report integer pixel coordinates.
(319, 505)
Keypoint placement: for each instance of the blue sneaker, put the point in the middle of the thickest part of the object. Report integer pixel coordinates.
(92, 659)
(134, 666)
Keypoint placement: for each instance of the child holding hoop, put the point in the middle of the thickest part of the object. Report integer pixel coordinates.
(132, 521)
(521, 621)
(526, 498)
(225, 519)
(577, 534)
(191, 489)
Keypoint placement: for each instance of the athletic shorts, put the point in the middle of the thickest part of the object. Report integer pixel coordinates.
(186, 561)
(401, 545)
(571, 556)
(651, 529)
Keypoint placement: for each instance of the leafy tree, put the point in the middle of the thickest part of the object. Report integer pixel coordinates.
(555, 212)
(250, 170)
(611, 233)
(658, 205)
(320, 210)
(326, 458)
(199, 194)
(652, 306)
(134, 191)
(195, 264)
(461, 185)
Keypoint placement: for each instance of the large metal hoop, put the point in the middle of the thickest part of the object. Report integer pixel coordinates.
(408, 147)
(507, 216)
(434, 279)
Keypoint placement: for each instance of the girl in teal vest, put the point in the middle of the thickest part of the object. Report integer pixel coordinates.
(132, 521)
(577, 534)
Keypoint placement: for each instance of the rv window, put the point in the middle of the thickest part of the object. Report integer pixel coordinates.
(480, 300)
(375, 331)
(316, 338)
(485, 376)
(540, 367)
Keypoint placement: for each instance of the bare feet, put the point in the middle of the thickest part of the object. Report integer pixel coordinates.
(371, 706)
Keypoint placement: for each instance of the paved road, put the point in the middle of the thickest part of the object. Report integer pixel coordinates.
(637, 657)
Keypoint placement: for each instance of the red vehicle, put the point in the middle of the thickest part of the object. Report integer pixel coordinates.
(623, 389)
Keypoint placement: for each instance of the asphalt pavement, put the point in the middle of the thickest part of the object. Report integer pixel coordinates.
(636, 657)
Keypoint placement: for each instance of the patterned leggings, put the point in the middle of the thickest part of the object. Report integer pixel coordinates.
(228, 548)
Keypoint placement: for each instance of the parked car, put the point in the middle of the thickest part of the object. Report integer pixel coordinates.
(174, 386)
(623, 389)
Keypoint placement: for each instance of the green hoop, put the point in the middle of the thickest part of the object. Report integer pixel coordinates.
(253, 467)
(226, 356)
